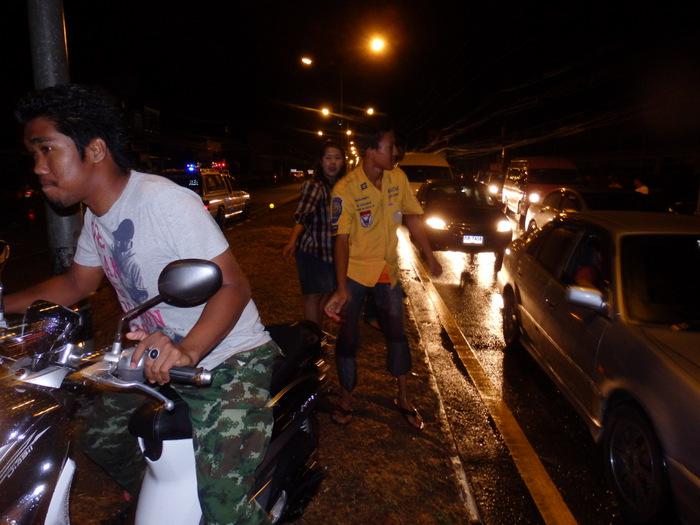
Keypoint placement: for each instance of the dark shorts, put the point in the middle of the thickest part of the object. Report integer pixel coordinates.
(315, 275)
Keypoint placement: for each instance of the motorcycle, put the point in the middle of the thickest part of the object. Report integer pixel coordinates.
(43, 368)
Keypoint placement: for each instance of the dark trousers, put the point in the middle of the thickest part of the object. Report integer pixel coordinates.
(389, 303)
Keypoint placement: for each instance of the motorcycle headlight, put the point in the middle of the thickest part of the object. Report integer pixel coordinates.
(493, 189)
(503, 226)
(436, 223)
(534, 197)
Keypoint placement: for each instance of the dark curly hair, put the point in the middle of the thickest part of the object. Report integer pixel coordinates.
(82, 113)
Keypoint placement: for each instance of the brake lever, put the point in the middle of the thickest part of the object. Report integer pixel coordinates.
(102, 373)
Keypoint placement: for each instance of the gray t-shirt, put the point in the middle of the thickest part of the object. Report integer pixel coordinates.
(153, 223)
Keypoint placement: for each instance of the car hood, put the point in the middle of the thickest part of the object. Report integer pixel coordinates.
(681, 346)
(456, 212)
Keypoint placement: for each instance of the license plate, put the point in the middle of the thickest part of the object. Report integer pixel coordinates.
(473, 239)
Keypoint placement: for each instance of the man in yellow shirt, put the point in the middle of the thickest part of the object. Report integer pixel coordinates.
(367, 207)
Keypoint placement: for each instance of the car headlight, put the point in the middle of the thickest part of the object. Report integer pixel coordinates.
(534, 197)
(503, 226)
(436, 223)
(493, 189)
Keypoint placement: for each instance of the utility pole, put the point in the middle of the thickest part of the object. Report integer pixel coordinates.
(49, 48)
(47, 31)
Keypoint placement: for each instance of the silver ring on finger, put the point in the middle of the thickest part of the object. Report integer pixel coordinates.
(153, 352)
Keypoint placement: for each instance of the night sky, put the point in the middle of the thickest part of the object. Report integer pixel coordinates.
(585, 76)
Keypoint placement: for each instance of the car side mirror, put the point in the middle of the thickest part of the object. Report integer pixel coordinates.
(586, 297)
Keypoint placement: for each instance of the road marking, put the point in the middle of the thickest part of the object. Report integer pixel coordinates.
(544, 492)
(466, 490)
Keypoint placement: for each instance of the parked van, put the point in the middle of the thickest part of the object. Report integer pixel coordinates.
(420, 167)
(219, 191)
(528, 180)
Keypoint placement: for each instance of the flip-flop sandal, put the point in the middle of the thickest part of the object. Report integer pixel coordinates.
(340, 415)
(409, 413)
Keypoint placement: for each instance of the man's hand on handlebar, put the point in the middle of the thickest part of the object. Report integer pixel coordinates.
(161, 355)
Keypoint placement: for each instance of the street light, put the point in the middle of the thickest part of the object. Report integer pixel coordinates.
(377, 44)
(348, 132)
(370, 111)
(307, 61)
(319, 133)
(325, 111)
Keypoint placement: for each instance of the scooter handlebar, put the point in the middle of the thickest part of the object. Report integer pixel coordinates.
(190, 375)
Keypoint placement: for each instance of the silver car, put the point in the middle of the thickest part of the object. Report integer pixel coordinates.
(608, 304)
(569, 200)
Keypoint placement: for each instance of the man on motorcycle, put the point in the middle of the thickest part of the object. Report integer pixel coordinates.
(135, 224)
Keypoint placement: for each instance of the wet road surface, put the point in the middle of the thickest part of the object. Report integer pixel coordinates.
(559, 439)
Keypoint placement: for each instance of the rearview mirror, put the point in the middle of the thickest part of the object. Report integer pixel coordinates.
(189, 282)
(183, 283)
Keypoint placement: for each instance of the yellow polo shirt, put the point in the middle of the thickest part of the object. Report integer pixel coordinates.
(370, 216)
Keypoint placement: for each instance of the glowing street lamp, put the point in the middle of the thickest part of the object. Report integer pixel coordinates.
(370, 111)
(348, 132)
(377, 44)
(319, 133)
(307, 61)
(325, 111)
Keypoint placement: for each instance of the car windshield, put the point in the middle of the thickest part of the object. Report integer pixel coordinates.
(660, 278)
(462, 194)
(191, 181)
(552, 176)
(423, 173)
(618, 201)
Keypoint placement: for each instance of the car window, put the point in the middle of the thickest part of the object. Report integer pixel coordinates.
(213, 182)
(570, 201)
(590, 262)
(191, 181)
(464, 194)
(554, 249)
(663, 288)
(552, 200)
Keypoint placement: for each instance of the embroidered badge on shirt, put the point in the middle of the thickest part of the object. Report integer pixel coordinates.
(366, 218)
(336, 209)
(363, 186)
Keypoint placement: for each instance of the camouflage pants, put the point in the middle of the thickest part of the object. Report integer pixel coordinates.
(231, 427)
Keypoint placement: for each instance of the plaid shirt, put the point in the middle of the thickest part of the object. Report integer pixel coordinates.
(313, 212)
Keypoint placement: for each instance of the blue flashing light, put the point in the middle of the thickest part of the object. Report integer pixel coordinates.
(191, 168)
